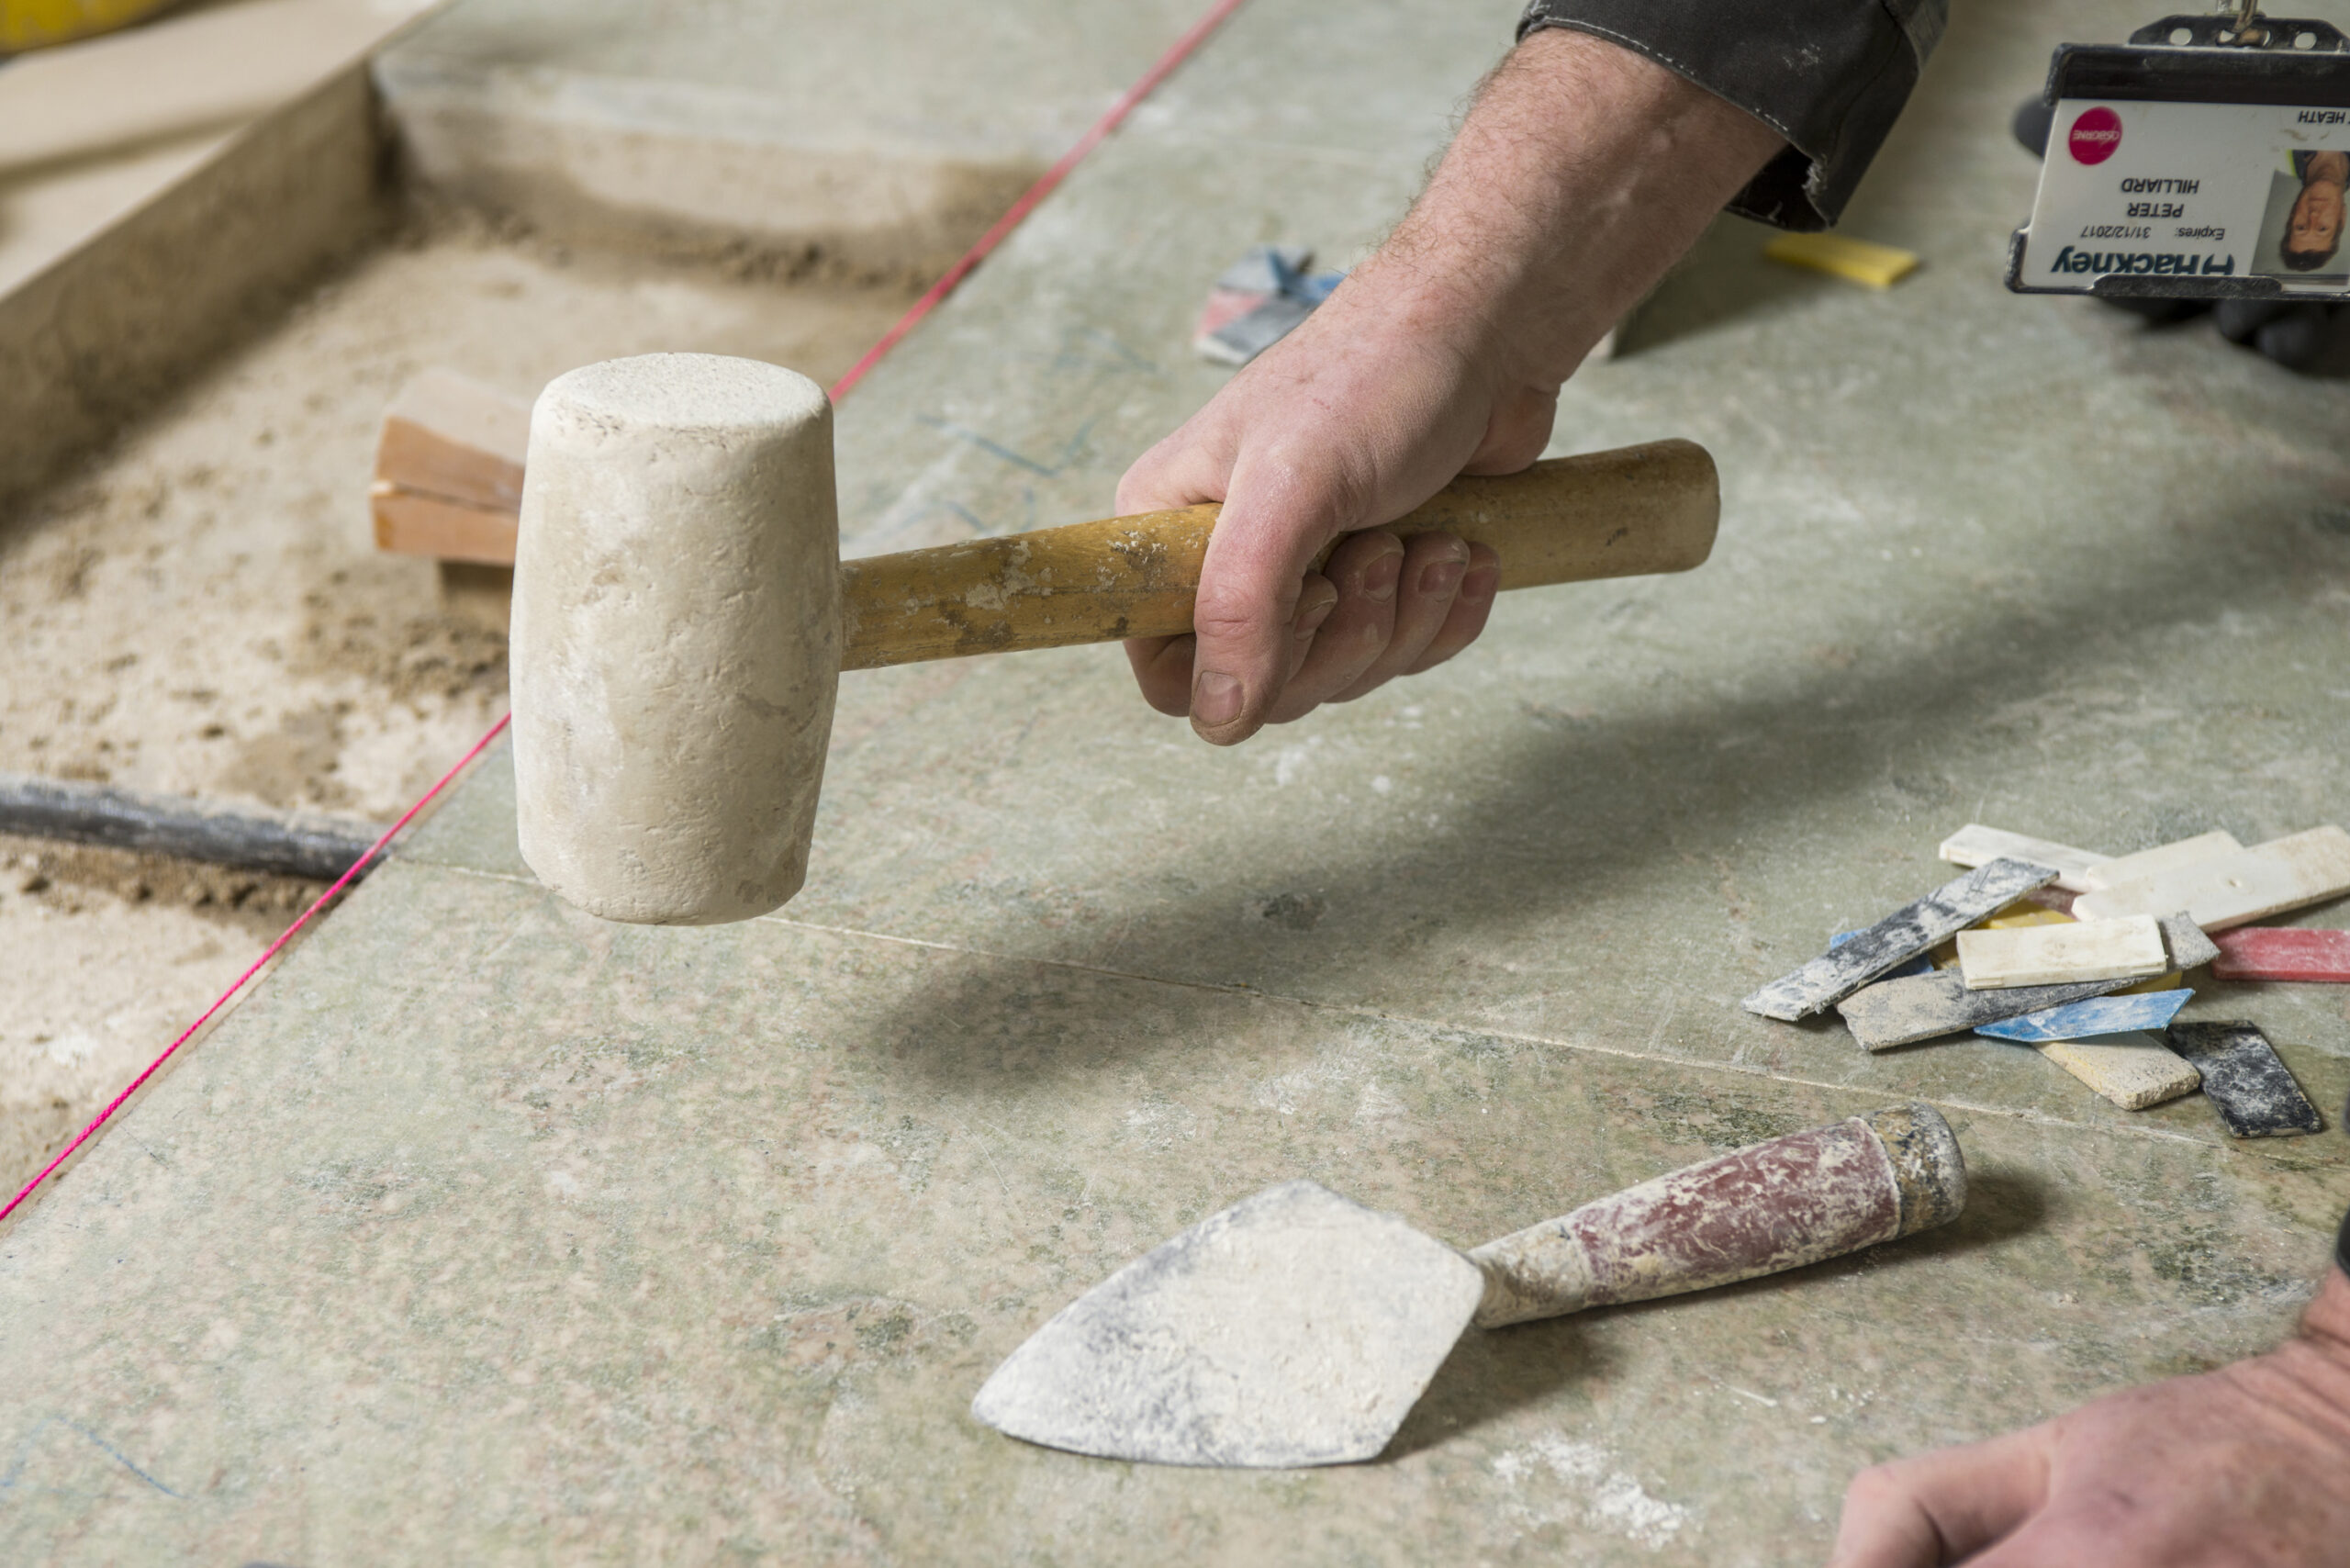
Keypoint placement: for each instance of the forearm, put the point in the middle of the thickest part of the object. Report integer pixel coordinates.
(1581, 171)
(1581, 174)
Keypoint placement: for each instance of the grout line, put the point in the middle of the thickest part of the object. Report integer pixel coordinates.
(1175, 55)
(2013, 1113)
(264, 965)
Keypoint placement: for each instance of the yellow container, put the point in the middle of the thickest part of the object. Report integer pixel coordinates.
(36, 24)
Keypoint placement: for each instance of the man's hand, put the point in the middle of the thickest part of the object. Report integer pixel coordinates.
(1295, 449)
(2247, 1466)
(1583, 171)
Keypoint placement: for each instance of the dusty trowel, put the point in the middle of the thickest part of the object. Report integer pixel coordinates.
(1297, 1327)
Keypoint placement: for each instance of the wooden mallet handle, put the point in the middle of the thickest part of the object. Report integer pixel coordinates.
(1604, 514)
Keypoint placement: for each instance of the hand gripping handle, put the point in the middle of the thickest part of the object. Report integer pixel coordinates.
(1605, 514)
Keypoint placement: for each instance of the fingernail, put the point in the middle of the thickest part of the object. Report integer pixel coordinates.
(1481, 584)
(1441, 578)
(1215, 698)
(1379, 578)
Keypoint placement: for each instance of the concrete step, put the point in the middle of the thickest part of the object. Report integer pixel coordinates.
(875, 139)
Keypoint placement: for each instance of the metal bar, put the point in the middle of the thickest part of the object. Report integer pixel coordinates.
(318, 848)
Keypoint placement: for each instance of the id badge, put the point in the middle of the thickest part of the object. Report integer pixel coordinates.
(2206, 158)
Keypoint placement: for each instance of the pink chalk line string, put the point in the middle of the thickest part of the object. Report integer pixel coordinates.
(1100, 132)
(258, 965)
(1049, 182)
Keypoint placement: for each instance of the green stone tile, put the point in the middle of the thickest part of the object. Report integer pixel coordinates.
(487, 1231)
(472, 826)
(1983, 558)
(1069, 353)
(491, 1230)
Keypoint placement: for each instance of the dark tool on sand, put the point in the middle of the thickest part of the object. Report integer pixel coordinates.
(1297, 1327)
(282, 844)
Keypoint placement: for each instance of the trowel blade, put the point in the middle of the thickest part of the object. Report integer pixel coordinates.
(1294, 1327)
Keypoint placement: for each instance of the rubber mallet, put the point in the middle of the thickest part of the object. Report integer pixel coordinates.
(681, 615)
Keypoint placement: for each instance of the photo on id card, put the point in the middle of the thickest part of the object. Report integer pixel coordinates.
(2300, 230)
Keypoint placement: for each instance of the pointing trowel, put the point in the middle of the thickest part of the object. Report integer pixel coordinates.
(1297, 1327)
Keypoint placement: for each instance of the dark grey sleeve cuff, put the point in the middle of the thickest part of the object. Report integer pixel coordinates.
(1830, 75)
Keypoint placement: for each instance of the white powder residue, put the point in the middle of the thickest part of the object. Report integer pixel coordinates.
(1157, 1123)
(1336, 1069)
(1610, 1499)
(1377, 1105)
(73, 1047)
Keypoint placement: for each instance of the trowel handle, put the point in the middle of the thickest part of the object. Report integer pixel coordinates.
(1605, 514)
(1794, 1199)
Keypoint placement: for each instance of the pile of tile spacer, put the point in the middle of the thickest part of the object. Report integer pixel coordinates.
(2084, 958)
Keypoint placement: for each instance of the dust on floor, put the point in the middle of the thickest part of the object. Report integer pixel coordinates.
(108, 954)
(203, 611)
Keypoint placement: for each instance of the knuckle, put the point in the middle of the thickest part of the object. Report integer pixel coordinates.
(1307, 479)
(1191, 465)
(1144, 485)
(1230, 609)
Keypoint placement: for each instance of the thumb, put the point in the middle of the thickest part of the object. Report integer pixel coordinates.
(1943, 1508)
(1515, 434)
(1276, 519)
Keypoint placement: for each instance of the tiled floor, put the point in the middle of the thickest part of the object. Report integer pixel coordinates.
(488, 1231)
